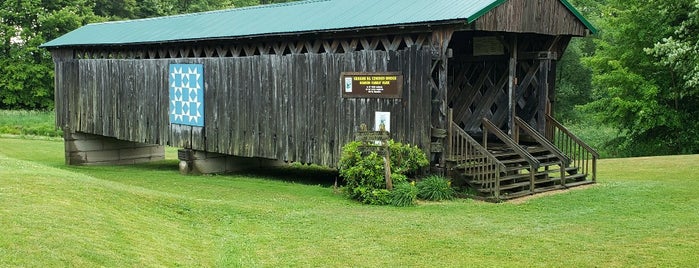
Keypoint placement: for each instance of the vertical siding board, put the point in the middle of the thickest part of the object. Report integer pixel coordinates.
(113, 78)
(275, 115)
(162, 78)
(86, 99)
(224, 115)
(107, 97)
(152, 89)
(248, 103)
(212, 106)
(286, 109)
(236, 72)
(142, 102)
(294, 94)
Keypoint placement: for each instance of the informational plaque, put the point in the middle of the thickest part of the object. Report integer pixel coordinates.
(372, 85)
(487, 46)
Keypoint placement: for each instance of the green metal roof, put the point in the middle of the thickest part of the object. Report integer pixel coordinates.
(279, 19)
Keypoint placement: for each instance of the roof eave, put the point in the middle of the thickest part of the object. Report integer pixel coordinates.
(582, 19)
(459, 23)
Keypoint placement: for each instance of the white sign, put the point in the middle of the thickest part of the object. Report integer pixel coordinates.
(382, 118)
(348, 84)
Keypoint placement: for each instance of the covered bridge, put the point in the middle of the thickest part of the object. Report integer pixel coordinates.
(292, 82)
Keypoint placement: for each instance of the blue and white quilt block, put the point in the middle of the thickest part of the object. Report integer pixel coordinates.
(187, 94)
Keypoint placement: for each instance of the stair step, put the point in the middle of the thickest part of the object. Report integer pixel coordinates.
(507, 152)
(579, 183)
(510, 186)
(576, 177)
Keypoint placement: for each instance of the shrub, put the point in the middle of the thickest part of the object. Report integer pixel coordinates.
(435, 188)
(403, 195)
(364, 172)
(406, 159)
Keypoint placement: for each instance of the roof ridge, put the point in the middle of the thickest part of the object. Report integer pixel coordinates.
(234, 9)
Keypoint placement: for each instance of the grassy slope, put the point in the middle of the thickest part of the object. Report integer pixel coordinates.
(643, 213)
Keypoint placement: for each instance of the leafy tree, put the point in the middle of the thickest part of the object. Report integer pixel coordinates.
(574, 85)
(574, 80)
(632, 89)
(26, 73)
(679, 54)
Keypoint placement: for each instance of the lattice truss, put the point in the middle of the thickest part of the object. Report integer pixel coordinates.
(480, 90)
(187, 94)
(342, 45)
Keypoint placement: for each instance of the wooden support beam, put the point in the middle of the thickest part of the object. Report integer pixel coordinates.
(330, 46)
(440, 45)
(511, 86)
(542, 94)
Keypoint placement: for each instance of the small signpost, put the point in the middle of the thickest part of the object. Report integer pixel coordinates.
(377, 142)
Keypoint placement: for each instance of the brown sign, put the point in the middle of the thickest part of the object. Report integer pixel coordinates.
(372, 85)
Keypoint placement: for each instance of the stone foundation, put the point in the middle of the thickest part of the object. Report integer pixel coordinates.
(89, 149)
(200, 162)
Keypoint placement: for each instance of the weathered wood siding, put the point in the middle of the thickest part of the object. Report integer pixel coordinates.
(548, 17)
(280, 107)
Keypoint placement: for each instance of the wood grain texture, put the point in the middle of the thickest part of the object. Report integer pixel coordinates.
(286, 107)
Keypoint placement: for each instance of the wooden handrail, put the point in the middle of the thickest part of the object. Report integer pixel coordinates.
(551, 121)
(489, 126)
(474, 159)
(472, 142)
(542, 140)
(577, 150)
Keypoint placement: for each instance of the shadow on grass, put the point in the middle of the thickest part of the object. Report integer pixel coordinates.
(302, 174)
(292, 173)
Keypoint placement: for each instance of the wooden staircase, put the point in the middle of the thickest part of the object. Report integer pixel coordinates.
(507, 169)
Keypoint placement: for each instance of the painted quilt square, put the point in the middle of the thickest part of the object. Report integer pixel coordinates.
(187, 94)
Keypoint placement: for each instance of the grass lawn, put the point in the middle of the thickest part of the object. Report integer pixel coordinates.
(643, 212)
(29, 123)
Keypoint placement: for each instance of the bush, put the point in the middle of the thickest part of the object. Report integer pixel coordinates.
(435, 188)
(406, 159)
(364, 172)
(403, 195)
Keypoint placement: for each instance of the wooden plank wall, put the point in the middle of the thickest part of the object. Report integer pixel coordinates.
(549, 17)
(279, 107)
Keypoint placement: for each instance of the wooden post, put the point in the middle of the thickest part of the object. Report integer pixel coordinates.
(440, 44)
(450, 120)
(377, 141)
(387, 169)
(512, 84)
(544, 69)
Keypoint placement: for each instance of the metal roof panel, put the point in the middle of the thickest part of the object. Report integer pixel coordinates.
(287, 18)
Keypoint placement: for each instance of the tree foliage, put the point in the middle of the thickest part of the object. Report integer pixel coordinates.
(638, 83)
(26, 71)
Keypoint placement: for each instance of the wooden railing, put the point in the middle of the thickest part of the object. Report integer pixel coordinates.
(580, 154)
(476, 161)
(488, 126)
(545, 143)
(533, 162)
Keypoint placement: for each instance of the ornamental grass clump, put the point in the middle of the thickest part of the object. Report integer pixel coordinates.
(404, 194)
(435, 188)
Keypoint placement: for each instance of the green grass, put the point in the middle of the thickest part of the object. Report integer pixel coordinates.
(644, 212)
(29, 123)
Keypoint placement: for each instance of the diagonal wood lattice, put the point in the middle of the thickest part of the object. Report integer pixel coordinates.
(478, 89)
